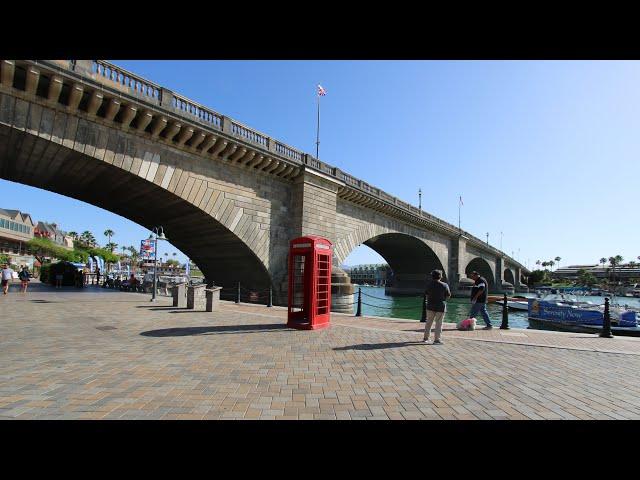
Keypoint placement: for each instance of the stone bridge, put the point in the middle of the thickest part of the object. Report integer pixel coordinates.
(228, 196)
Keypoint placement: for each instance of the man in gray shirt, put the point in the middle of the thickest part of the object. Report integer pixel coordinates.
(437, 294)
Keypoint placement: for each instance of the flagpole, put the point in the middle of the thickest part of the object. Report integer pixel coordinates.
(318, 129)
(459, 204)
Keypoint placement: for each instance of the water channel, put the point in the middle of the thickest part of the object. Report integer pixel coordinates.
(376, 303)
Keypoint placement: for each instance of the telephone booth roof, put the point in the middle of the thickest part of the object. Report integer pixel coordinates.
(313, 239)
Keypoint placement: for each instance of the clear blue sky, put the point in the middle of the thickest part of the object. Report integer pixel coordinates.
(548, 152)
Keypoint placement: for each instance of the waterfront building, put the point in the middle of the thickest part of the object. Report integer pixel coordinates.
(624, 272)
(16, 228)
(373, 274)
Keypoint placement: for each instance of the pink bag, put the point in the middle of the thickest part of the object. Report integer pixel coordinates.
(467, 324)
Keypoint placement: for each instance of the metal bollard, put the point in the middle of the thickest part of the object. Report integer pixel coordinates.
(505, 315)
(270, 304)
(423, 318)
(238, 299)
(606, 321)
(359, 310)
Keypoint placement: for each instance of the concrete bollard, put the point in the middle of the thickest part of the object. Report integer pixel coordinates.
(213, 298)
(179, 292)
(196, 299)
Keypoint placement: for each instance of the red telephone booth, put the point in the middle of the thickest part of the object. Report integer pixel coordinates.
(309, 283)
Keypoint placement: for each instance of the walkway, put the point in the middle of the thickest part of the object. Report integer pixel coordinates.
(104, 354)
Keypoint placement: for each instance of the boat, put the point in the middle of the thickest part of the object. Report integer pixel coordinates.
(515, 304)
(566, 314)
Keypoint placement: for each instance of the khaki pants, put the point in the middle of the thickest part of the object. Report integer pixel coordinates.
(431, 316)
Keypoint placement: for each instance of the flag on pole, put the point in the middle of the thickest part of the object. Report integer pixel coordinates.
(321, 91)
(461, 201)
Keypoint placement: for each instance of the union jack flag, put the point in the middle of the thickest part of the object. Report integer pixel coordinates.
(321, 91)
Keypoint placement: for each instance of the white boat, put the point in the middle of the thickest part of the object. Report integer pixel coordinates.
(515, 304)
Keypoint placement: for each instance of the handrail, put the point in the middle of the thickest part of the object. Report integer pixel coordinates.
(137, 84)
(202, 113)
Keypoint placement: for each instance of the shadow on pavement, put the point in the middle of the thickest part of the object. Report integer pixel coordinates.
(220, 329)
(377, 346)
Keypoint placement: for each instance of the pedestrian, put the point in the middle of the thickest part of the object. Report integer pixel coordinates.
(7, 275)
(437, 294)
(97, 275)
(479, 299)
(59, 278)
(24, 277)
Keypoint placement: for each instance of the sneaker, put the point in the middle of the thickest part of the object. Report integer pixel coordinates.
(438, 342)
(426, 340)
(488, 327)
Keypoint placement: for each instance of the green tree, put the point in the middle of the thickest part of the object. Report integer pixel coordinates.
(111, 246)
(109, 233)
(41, 248)
(557, 259)
(603, 261)
(4, 258)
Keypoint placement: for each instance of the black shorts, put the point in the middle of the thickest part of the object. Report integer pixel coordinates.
(5, 283)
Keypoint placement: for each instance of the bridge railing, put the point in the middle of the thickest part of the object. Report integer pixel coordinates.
(195, 110)
(135, 85)
(289, 152)
(248, 134)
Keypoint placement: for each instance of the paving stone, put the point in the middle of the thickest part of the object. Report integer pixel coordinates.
(57, 365)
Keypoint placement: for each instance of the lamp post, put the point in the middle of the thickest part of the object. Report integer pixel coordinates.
(500, 241)
(420, 198)
(159, 232)
(487, 238)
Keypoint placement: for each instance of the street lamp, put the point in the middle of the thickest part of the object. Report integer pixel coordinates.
(159, 232)
(487, 238)
(420, 198)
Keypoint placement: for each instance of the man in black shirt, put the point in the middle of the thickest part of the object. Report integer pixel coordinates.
(437, 294)
(479, 299)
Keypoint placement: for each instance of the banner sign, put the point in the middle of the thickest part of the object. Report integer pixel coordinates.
(147, 248)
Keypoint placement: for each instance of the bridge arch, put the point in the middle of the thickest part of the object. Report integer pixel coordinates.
(144, 185)
(481, 266)
(411, 259)
(509, 277)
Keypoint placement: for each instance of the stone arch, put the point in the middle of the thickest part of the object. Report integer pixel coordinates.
(411, 259)
(59, 152)
(509, 277)
(480, 265)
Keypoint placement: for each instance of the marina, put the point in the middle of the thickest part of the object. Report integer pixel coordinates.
(376, 303)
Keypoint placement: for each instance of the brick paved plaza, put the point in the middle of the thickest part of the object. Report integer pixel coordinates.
(97, 353)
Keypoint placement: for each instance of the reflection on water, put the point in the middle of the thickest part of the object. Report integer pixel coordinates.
(374, 302)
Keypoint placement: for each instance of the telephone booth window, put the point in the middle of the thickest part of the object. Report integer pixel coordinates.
(298, 270)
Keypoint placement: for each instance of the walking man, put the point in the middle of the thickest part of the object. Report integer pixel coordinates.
(7, 275)
(24, 277)
(479, 299)
(437, 294)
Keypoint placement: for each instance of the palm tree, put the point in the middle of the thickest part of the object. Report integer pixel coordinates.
(538, 262)
(557, 259)
(87, 239)
(111, 246)
(551, 263)
(109, 233)
(604, 260)
(73, 235)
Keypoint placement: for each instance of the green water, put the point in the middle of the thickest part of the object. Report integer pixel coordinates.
(375, 302)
